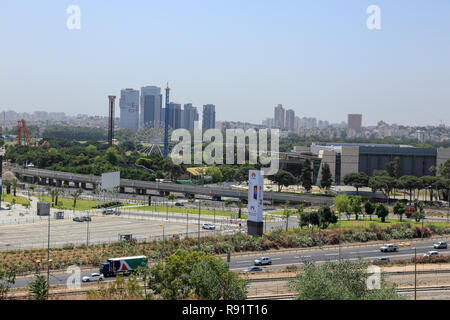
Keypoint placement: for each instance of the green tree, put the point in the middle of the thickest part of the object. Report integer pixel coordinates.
(306, 176)
(14, 185)
(428, 182)
(283, 178)
(411, 183)
(215, 173)
(382, 212)
(341, 203)
(112, 156)
(7, 279)
(240, 205)
(356, 180)
(38, 288)
(287, 213)
(369, 208)
(393, 168)
(326, 179)
(355, 206)
(384, 183)
(192, 274)
(399, 209)
(119, 289)
(343, 280)
(326, 217)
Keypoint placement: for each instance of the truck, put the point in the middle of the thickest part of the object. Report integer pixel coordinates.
(125, 265)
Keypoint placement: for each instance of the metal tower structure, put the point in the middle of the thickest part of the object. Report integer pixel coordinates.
(166, 124)
(111, 120)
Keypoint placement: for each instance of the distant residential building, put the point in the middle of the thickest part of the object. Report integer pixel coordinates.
(354, 124)
(129, 109)
(279, 116)
(151, 106)
(209, 116)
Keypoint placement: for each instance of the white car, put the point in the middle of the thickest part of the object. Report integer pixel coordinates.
(94, 277)
(262, 261)
(431, 254)
(389, 248)
(208, 226)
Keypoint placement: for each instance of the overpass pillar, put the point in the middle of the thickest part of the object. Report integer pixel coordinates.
(58, 183)
(83, 185)
(122, 190)
(217, 198)
(94, 186)
(164, 193)
(76, 184)
(66, 183)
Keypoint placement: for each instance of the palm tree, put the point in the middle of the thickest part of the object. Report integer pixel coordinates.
(7, 184)
(240, 205)
(75, 196)
(14, 185)
(286, 214)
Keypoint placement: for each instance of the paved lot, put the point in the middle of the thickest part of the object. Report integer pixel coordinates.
(101, 229)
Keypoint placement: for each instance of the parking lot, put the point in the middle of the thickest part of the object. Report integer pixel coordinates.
(102, 229)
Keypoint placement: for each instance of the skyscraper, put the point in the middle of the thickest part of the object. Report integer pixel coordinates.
(290, 120)
(354, 124)
(175, 115)
(190, 115)
(151, 106)
(129, 109)
(209, 116)
(279, 117)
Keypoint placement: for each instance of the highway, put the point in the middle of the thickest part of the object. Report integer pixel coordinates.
(281, 259)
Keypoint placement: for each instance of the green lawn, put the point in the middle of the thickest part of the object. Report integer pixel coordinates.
(9, 198)
(184, 210)
(67, 203)
(365, 223)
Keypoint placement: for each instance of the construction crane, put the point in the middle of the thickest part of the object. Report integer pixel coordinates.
(45, 143)
(22, 123)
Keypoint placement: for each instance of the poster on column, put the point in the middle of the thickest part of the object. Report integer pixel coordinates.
(255, 195)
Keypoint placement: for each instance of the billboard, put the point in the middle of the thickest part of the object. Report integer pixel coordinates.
(110, 181)
(255, 195)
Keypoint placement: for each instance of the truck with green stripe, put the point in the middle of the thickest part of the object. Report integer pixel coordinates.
(125, 265)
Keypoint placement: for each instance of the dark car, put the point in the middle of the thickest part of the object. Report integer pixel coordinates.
(78, 219)
(86, 218)
(253, 269)
(381, 259)
(179, 204)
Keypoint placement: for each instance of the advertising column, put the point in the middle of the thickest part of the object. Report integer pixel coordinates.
(255, 224)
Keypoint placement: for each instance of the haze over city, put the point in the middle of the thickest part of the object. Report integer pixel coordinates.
(317, 58)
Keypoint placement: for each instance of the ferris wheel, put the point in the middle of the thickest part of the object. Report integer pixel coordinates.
(150, 138)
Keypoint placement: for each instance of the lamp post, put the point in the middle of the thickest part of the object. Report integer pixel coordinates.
(199, 208)
(48, 255)
(164, 242)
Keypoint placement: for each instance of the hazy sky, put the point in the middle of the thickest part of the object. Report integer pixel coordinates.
(245, 56)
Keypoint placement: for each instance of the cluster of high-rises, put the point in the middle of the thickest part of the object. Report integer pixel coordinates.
(286, 120)
(145, 108)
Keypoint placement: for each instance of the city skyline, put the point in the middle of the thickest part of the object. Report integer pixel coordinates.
(297, 59)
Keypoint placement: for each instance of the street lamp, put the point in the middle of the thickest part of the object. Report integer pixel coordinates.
(164, 241)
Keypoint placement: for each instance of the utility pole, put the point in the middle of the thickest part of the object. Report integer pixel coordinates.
(320, 241)
(48, 255)
(199, 206)
(87, 231)
(415, 273)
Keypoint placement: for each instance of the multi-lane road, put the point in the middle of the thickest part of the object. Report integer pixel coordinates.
(283, 258)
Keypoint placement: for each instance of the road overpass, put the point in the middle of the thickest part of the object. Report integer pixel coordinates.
(59, 178)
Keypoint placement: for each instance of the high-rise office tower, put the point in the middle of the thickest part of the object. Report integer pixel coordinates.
(175, 115)
(151, 106)
(354, 124)
(290, 120)
(279, 117)
(209, 116)
(129, 109)
(190, 115)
